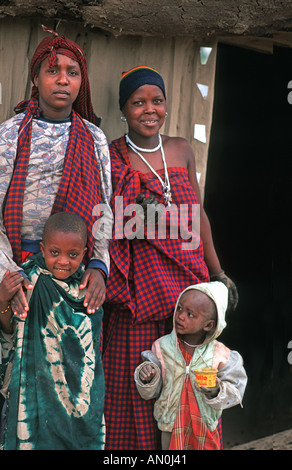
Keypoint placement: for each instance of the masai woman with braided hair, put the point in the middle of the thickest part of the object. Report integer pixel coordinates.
(148, 273)
(53, 159)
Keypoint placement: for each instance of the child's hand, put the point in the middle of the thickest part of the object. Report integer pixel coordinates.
(210, 392)
(147, 373)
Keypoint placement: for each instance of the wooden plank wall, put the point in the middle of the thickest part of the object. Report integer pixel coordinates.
(177, 59)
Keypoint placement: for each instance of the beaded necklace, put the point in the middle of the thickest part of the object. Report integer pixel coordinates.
(165, 184)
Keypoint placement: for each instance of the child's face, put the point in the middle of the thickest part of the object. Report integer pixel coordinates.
(58, 86)
(191, 317)
(63, 253)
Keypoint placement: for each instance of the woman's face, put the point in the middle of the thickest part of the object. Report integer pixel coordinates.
(58, 86)
(145, 111)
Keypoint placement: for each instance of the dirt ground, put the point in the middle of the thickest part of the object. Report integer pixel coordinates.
(279, 441)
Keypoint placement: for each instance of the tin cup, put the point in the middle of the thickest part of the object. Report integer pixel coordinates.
(206, 377)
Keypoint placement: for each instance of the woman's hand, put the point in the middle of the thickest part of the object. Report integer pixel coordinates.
(10, 284)
(19, 304)
(232, 289)
(95, 283)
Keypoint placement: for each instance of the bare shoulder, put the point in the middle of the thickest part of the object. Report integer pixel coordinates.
(178, 149)
(180, 142)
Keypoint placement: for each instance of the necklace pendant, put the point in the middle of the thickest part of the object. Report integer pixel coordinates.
(167, 196)
(165, 184)
(169, 199)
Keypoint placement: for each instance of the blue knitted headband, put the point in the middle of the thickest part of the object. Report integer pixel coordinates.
(137, 77)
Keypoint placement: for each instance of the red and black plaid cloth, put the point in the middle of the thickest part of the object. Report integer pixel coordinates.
(190, 431)
(159, 266)
(79, 189)
(145, 280)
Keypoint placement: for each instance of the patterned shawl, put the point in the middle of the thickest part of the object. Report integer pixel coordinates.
(79, 190)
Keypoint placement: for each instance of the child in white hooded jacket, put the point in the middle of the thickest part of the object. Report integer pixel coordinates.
(186, 413)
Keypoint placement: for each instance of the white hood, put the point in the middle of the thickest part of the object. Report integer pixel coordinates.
(218, 292)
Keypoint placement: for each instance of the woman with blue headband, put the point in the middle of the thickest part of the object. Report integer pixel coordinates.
(148, 270)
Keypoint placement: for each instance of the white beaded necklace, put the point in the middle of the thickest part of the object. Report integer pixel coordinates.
(191, 345)
(165, 184)
(130, 142)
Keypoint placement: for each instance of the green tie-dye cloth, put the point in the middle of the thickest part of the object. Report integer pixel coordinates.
(56, 391)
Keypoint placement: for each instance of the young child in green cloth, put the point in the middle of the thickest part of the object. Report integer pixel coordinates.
(54, 376)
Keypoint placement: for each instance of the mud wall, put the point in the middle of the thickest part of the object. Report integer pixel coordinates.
(177, 59)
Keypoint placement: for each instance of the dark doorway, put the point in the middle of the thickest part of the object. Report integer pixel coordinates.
(245, 184)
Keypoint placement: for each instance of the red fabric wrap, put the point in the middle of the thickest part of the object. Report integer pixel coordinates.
(79, 189)
(190, 431)
(159, 266)
(145, 280)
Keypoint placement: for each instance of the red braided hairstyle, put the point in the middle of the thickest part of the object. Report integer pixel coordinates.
(49, 47)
